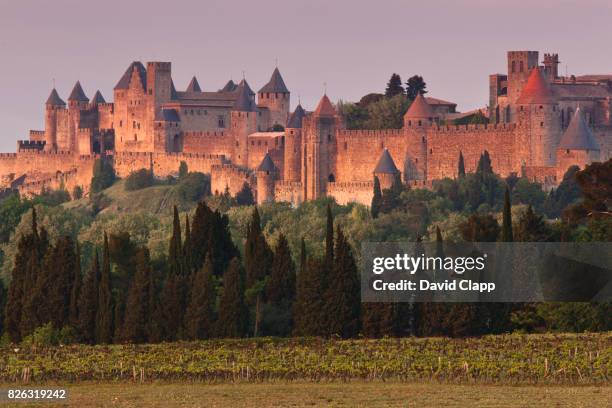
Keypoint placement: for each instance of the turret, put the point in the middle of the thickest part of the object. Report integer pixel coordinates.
(276, 98)
(386, 171)
(551, 66)
(420, 114)
(539, 115)
(97, 98)
(293, 145)
(266, 174)
(131, 99)
(77, 98)
(318, 135)
(194, 86)
(243, 122)
(577, 146)
(166, 132)
(53, 104)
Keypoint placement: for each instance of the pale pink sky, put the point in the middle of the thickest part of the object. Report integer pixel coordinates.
(351, 45)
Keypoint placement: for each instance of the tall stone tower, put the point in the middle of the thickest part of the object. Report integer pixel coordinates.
(276, 98)
(318, 134)
(77, 101)
(243, 118)
(130, 108)
(540, 118)
(293, 145)
(158, 90)
(53, 104)
(419, 117)
(520, 64)
(551, 66)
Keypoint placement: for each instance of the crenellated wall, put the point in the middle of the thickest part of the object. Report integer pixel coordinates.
(231, 177)
(352, 192)
(164, 164)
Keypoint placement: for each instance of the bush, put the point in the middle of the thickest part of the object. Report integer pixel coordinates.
(193, 186)
(139, 179)
(43, 336)
(77, 193)
(183, 169)
(52, 198)
(103, 175)
(245, 196)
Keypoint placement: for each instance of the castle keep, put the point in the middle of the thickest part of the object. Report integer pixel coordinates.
(540, 124)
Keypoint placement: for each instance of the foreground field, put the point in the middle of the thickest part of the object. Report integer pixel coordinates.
(571, 359)
(354, 394)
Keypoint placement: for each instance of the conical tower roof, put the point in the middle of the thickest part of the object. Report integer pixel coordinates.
(385, 164)
(54, 99)
(266, 164)
(230, 86)
(245, 84)
(244, 102)
(578, 136)
(419, 109)
(325, 107)
(97, 98)
(172, 90)
(295, 121)
(536, 90)
(275, 84)
(124, 82)
(193, 86)
(78, 94)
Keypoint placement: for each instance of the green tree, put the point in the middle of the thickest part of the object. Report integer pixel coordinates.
(104, 312)
(137, 313)
(245, 195)
(506, 232)
(376, 198)
(281, 285)
(183, 170)
(258, 261)
(342, 295)
(414, 86)
(103, 175)
(484, 164)
(200, 316)
(88, 302)
(233, 313)
(308, 309)
(461, 166)
(394, 86)
(480, 228)
(531, 228)
(139, 179)
(75, 291)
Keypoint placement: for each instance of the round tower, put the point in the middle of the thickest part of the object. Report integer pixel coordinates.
(420, 114)
(53, 104)
(540, 117)
(266, 175)
(243, 119)
(293, 145)
(276, 98)
(386, 171)
(577, 146)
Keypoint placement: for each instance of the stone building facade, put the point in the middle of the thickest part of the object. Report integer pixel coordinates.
(540, 124)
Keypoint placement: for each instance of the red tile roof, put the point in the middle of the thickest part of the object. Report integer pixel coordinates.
(536, 90)
(325, 107)
(419, 109)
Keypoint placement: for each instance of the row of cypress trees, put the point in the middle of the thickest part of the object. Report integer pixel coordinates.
(203, 290)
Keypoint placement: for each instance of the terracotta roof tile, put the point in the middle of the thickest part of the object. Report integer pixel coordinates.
(536, 90)
(325, 107)
(419, 109)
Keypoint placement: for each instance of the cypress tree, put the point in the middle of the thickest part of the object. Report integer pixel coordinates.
(394, 86)
(73, 309)
(187, 248)
(461, 166)
(281, 285)
(200, 314)
(245, 195)
(506, 232)
(172, 298)
(16, 291)
(308, 309)
(104, 315)
(220, 243)
(233, 313)
(342, 296)
(136, 320)
(35, 306)
(258, 262)
(201, 227)
(376, 198)
(88, 302)
(61, 267)
(329, 239)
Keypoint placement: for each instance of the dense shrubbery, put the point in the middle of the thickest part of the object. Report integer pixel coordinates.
(193, 186)
(139, 179)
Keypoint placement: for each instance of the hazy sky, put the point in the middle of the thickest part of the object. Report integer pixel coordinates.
(352, 45)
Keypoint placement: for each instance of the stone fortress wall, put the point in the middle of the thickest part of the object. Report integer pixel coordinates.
(236, 135)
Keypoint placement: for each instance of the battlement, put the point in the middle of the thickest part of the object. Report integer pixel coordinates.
(486, 127)
(369, 133)
(29, 145)
(8, 155)
(207, 133)
(37, 134)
